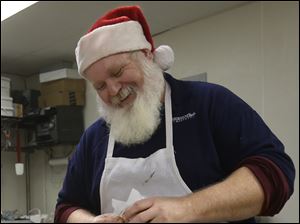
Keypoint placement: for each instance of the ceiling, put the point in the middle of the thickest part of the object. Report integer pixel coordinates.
(44, 36)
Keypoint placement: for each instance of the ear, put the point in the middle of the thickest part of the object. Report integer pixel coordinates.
(148, 54)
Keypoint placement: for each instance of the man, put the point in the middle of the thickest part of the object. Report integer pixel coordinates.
(166, 150)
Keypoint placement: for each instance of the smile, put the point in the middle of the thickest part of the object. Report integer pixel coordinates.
(125, 93)
(122, 97)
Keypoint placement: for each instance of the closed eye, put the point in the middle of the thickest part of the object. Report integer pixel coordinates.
(100, 87)
(118, 73)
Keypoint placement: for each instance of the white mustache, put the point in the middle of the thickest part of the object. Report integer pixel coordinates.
(123, 94)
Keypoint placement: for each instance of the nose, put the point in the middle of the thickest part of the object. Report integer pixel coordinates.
(113, 87)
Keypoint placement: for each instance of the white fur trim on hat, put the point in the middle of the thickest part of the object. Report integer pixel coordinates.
(108, 40)
(164, 57)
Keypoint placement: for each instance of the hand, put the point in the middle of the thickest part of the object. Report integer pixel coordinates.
(159, 209)
(107, 218)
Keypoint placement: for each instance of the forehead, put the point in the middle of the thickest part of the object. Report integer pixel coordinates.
(108, 63)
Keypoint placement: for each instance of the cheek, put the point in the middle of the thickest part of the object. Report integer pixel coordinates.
(104, 97)
(135, 76)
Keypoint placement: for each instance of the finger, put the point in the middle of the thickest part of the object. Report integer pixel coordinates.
(109, 218)
(157, 220)
(137, 207)
(120, 219)
(145, 216)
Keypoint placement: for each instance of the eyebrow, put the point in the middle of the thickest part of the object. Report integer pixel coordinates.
(113, 69)
(117, 67)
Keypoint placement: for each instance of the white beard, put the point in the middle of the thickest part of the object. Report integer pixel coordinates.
(136, 124)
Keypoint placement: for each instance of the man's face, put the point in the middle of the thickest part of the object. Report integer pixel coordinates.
(130, 89)
(115, 78)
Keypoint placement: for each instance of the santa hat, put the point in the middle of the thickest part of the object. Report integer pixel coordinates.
(123, 29)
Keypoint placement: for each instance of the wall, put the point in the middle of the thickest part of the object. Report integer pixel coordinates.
(17, 82)
(46, 180)
(13, 187)
(90, 110)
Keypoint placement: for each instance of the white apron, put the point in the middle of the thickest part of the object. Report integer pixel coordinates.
(125, 180)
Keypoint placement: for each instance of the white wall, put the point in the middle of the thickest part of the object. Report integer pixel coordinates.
(13, 187)
(226, 46)
(46, 180)
(90, 109)
(252, 50)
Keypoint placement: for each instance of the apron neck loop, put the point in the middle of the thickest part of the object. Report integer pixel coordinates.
(168, 117)
(110, 146)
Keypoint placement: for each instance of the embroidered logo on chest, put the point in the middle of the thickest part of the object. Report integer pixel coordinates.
(184, 117)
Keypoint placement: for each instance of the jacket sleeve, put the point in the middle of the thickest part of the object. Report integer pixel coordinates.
(74, 192)
(63, 211)
(273, 181)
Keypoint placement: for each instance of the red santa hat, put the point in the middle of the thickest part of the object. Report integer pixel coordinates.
(123, 29)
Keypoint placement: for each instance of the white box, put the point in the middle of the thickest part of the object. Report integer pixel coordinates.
(65, 73)
(5, 92)
(7, 111)
(6, 102)
(5, 82)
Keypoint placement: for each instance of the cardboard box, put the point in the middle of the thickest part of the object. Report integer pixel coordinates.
(62, 92)
(76, 85)
(18, 110)
(62, 98)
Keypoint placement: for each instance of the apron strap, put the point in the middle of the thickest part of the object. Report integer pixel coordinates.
(168, 117)
(110, 146)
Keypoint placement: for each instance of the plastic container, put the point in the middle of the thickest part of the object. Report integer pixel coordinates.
(5, 82)
(19, 168)
(5, 92)
(6, 102)
(7, 111)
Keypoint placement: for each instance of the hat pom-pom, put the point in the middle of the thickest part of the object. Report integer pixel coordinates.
(164, 57)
